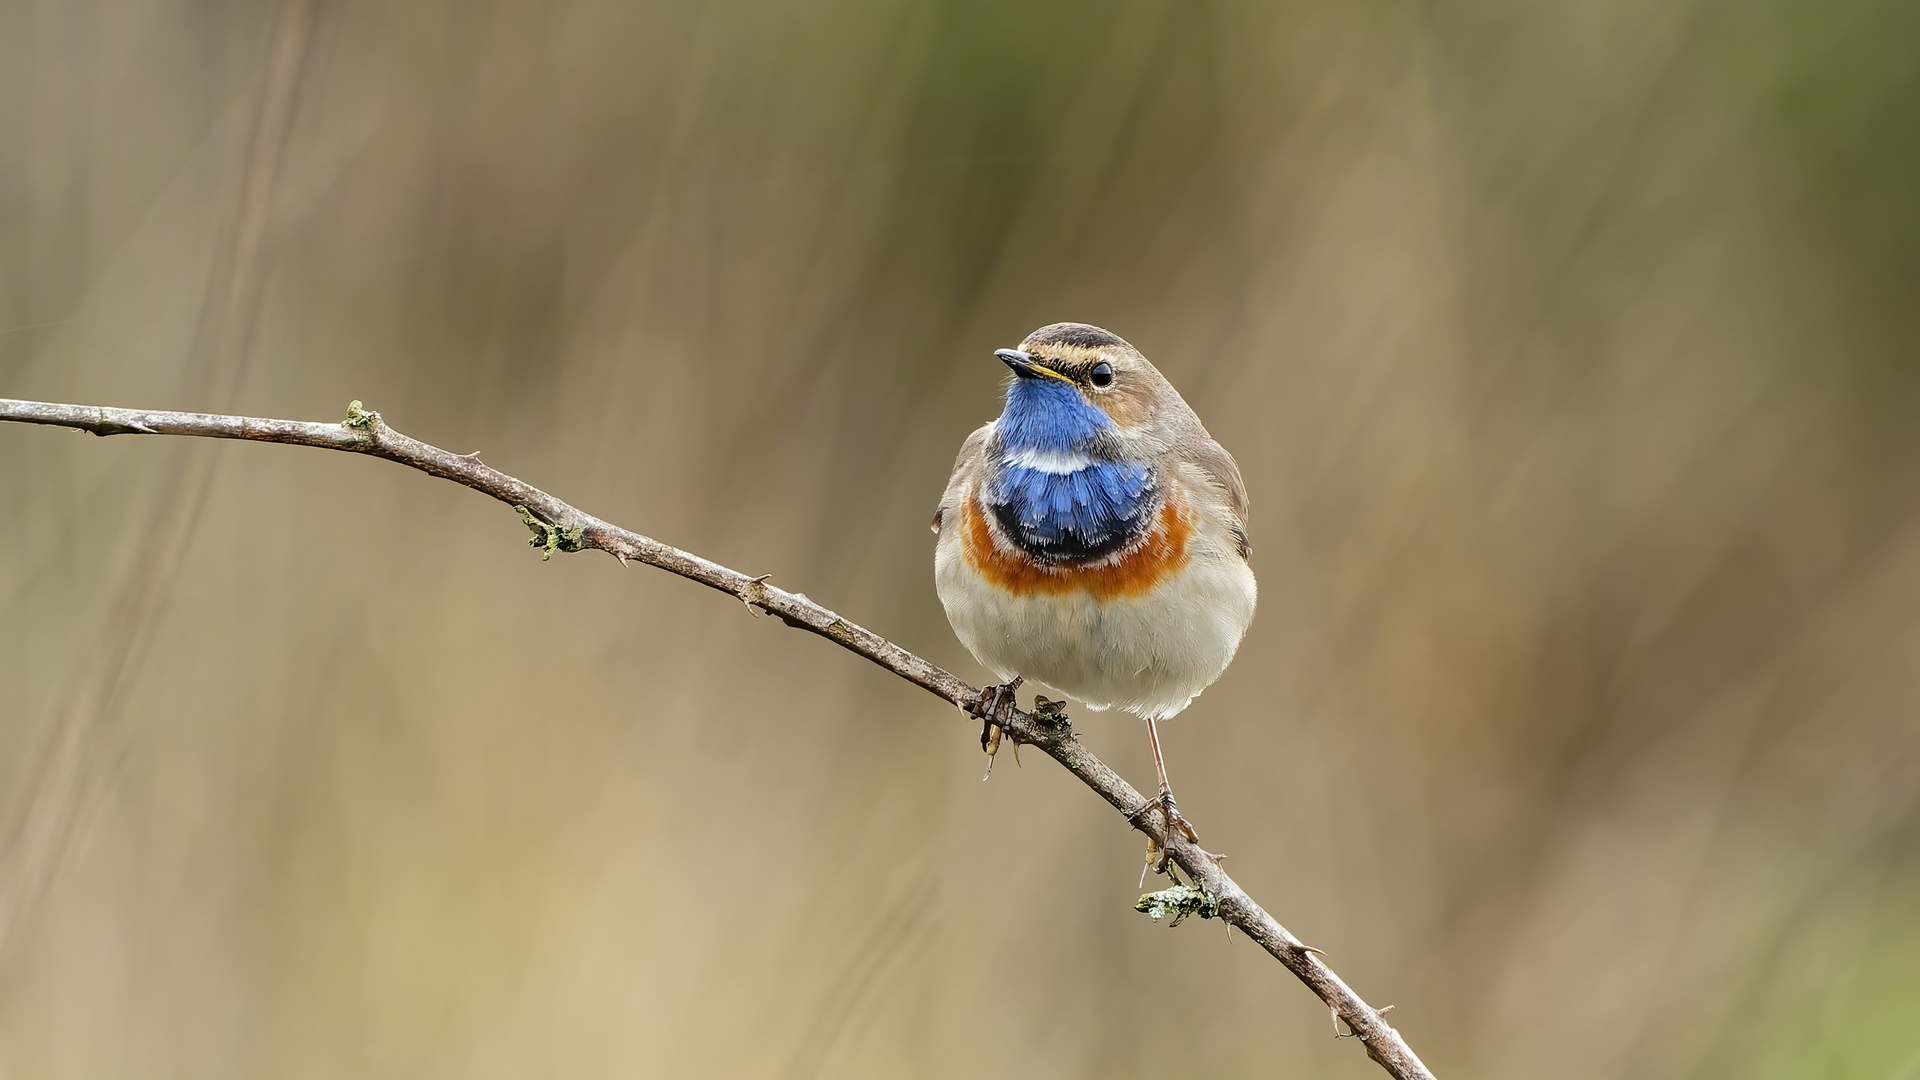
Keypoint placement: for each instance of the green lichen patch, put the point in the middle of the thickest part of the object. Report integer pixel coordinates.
(1182, 902)
(550, 538)
(359, 416)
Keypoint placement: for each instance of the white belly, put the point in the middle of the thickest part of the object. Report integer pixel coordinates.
(1149, 655)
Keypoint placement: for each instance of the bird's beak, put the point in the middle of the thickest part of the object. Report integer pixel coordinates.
(1023, 365)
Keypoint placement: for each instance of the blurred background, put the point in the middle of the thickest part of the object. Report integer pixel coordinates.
(1569, 351)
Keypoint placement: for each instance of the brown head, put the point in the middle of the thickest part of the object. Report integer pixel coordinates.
(1150, 420)
(1113, 376)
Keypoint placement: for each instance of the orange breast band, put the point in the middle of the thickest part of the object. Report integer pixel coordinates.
(1164, 552)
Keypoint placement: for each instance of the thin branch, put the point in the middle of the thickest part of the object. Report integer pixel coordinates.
(558, 526)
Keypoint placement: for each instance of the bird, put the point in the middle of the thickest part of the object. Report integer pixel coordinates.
(1093, 539)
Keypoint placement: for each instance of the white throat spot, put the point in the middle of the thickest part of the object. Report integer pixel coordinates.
(1056, 462)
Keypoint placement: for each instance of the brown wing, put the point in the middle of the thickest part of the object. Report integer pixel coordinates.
(1218, 466)
(965, 467)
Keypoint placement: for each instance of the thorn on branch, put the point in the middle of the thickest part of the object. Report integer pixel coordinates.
(1181, 901)
(754, 608)
(361, 417)
(547, 537)
(1350, 1033)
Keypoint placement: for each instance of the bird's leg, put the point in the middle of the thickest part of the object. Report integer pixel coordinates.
(1167, 806)
(994, 708)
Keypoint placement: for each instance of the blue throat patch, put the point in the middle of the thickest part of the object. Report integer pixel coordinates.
(1065, 517)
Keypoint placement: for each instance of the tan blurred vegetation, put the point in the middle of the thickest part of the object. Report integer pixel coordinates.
(1568, 349)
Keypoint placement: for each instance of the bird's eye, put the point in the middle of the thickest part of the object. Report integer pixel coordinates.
(1102, 374)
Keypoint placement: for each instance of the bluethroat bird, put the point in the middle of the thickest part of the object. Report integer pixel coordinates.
(1093, 538)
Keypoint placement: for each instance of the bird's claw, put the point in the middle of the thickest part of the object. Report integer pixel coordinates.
(1171, 812)
(995, 708)
(1158, 860)
(1158, 855)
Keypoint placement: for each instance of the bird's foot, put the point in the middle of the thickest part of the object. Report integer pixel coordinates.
(994, 708)
(1171, 811)
(1158, 858)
